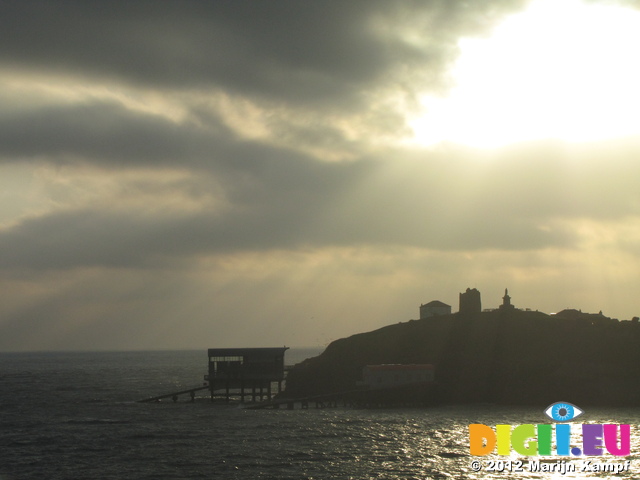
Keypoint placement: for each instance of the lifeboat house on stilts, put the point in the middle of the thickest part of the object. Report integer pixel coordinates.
(245, 371)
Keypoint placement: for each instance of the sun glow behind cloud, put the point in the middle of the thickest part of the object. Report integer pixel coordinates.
(562, 69)
(151, 199)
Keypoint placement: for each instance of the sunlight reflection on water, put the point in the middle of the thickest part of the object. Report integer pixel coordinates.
(75, 417)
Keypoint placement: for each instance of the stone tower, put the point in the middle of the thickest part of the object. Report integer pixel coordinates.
(470, 301)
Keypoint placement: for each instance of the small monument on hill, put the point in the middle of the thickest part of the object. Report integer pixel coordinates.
(506, 301)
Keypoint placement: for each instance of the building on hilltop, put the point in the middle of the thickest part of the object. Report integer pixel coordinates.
(583, 317)
(433, 309)
(571, 313)
(470, 301)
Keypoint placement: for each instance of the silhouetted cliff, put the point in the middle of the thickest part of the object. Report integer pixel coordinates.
(505, 356)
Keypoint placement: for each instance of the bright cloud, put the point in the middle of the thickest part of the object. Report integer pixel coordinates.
(561, 70)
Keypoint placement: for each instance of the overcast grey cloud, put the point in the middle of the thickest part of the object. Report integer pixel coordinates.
(237, 164)
(304, 202)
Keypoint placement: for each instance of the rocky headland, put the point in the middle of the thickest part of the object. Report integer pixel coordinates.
(504, 356)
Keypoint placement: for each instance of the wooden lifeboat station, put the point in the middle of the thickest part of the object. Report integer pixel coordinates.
(245, 371)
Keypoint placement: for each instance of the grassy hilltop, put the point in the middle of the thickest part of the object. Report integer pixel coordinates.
(503, 356)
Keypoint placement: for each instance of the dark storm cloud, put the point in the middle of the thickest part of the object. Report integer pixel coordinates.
(517, 200)
(299, 52)
(278, 197)
(97, 133)
(96, 238)
(111, 136)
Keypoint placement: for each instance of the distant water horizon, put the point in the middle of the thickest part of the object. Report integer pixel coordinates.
(133, 350)
(296, 353)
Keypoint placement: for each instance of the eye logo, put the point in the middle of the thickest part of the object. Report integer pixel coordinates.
(563, 412)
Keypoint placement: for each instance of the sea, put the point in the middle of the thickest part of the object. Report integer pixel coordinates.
(76, 416)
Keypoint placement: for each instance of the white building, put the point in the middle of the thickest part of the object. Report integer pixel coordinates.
(391, 375)
(433, 309)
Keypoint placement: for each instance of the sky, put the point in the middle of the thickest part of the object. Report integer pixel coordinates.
(244, 173)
